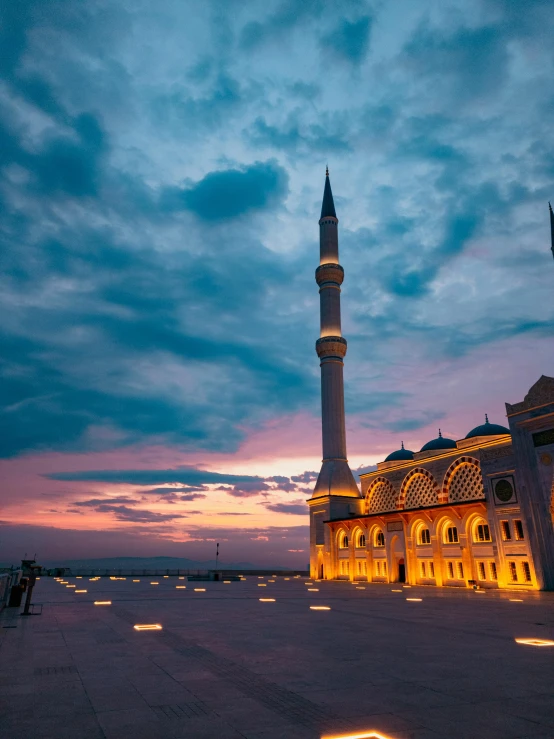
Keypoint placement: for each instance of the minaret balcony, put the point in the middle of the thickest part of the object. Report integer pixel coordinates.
(333, 273)
(331, 346)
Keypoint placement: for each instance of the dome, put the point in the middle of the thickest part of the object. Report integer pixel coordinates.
(400, 455)
(439, 443)
(488, 429)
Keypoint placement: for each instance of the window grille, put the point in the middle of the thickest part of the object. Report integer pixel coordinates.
(452, 535)
(466, 483)
(483, 532)
(382, 497)
(424, 536)
(506, 533)
(344, 542)
(379, 539)
(513, 571)
(361, 541)
(421, 492)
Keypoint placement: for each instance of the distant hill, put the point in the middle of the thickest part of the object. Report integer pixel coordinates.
(157, 563)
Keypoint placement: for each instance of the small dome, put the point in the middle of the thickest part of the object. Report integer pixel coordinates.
(488, 429)
(439, 443)
(400, 455)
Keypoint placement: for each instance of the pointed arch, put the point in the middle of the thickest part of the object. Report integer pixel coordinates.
(380, 496)
(419, 489)
(463, 481)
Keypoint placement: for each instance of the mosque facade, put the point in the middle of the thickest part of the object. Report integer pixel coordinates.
(476, 511)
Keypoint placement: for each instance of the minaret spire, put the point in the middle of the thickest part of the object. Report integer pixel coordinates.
(335, 478)
(551, 228)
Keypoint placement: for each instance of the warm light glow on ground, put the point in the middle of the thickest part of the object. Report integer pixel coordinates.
(536, 642)
(81, 591)
(267, 600)
(180, 587)
(516, 600)
(415, 600)
(102, 602)
(147, 627)
(199, 590)
(396, 591)
(364, 735)
(320, 608)
(154, 583)
(313, 590)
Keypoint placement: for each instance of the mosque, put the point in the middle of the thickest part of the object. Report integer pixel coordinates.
(476, 511)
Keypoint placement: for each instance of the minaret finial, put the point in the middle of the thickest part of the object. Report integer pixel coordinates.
(440, 435)
(551, 228)
(327, 175)
(328, 205)
(486, 417)
(402, 444)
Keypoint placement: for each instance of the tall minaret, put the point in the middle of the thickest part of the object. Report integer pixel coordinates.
(335, 487)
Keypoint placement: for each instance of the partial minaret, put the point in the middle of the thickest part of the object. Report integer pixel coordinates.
(551, 228)
(336, 493)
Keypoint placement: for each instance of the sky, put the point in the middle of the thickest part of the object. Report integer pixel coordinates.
(162, 168)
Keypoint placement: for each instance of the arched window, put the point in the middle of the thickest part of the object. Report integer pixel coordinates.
(343, 542)
(481, 532)
(451, 535)
(379, 539)
(424, 536)
(361, 541)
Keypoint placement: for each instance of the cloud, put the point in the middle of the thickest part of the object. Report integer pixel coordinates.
(305, 477)
(148, 477)
(349, 40)
(246, 489)
(124, 513)
(299, 509)
(230, 193)
(94, 502)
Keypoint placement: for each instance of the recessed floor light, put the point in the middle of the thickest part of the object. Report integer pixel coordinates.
(516, 600)
(271, 580)
(226, 582)
(136, 580)
(536, 642)
(406, 586)
(415, 600)
(81, 591)
(180, 587)
(181, 578)
(154, 583)
(396, 591)
(320, 608)
(266, 600)
(70, 586)
(102, 602)
(363, 735)
(147, 627)
(262, 585)
(313, 590)
(199, 590)
(360, 588)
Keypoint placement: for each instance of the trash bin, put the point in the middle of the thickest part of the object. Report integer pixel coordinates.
(16, 595)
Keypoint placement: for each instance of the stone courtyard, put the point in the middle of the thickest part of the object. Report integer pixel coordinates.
(226, 665)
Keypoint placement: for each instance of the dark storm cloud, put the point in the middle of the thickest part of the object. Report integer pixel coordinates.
(349, 40)
(142, 301)
(234, 192)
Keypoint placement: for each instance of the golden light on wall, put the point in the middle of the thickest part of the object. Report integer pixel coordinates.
(532, 642)
(147, 627)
